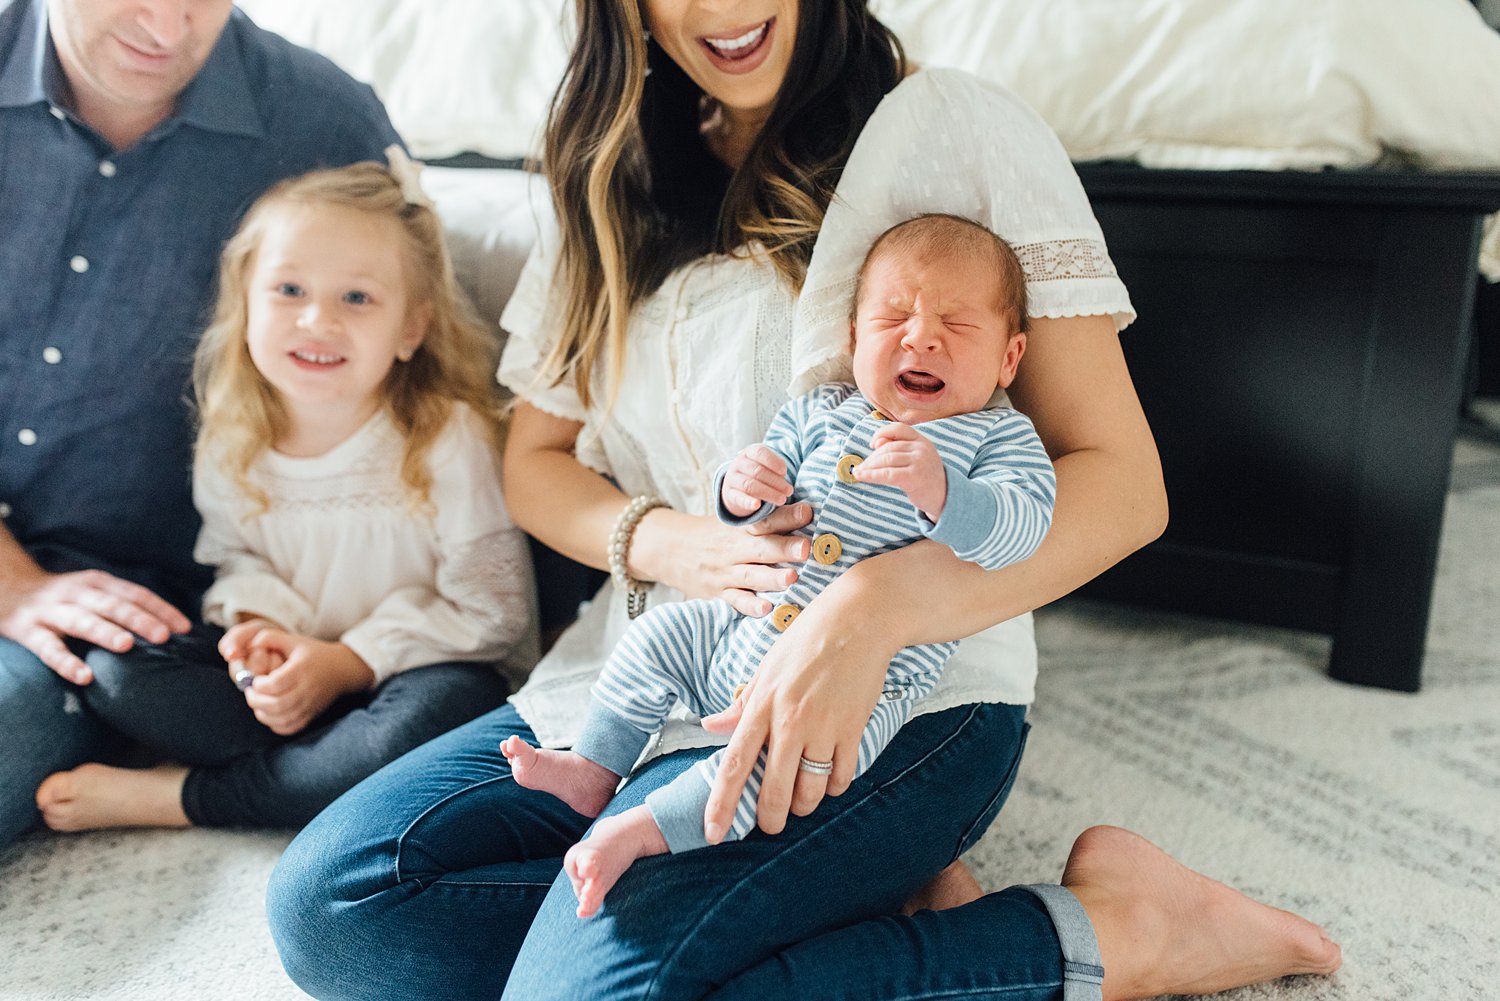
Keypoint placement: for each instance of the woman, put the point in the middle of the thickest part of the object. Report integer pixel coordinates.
(693, 171)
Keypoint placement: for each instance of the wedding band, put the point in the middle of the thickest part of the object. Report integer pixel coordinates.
(815, 767)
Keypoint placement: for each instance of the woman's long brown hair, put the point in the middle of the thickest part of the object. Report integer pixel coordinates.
(637, 192)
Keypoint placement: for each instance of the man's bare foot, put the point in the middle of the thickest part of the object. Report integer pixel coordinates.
(93, 796)
(595, 863)
(953, 887)
(586, 786)
(1165, 929)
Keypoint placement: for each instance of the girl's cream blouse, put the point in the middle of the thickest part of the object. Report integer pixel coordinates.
(341, 555)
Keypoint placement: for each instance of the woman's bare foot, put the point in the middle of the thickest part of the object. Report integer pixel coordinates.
(953, 887)
(92, 796)
(586, 786)
(1165, 929)
(595, 863)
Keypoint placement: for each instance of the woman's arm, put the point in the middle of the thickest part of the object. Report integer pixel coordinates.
(573, 509)
(816, 688)
(1111, 501)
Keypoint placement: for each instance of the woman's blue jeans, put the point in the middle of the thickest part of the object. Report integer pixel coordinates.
(439, 877)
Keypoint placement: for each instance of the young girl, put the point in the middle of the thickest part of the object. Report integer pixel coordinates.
(368, 579)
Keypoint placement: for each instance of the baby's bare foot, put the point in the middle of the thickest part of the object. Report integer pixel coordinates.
(595, 864)
(584, 785)
(94, 796)
(1165, 929)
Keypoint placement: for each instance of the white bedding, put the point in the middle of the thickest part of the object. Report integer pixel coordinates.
(1173, 83)
(1216, 84)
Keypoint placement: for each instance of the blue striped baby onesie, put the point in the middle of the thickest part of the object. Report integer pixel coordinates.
(1001, 488)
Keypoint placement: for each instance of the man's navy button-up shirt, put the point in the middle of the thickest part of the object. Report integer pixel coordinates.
(107, 262)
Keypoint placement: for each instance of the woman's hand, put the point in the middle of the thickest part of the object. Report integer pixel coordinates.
(811, 697)
(704, 559)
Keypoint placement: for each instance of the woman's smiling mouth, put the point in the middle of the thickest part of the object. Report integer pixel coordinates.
(741, 51)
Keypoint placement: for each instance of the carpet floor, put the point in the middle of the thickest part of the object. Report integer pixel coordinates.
(1375, 814)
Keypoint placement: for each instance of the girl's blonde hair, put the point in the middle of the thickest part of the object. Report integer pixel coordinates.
(240, 414)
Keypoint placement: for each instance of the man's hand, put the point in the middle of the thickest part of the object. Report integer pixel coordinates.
(905, 458)
(755, 476)
(38, 610)
(307, 677)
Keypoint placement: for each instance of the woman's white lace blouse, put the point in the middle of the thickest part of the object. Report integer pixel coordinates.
(723, 343)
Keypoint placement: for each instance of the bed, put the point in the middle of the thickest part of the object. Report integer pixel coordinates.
(1295, 191)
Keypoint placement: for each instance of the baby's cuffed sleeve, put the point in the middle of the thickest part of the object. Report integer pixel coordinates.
(999, 512)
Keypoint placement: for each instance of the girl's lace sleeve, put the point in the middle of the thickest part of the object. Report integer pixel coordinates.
(481, 603)
(244, 580)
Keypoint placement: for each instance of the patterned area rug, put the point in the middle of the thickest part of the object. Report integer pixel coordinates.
(1376, 814)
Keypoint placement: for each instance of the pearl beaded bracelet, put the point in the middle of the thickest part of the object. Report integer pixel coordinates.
(619, 546)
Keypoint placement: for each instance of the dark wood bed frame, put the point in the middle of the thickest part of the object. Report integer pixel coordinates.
(1301, 353)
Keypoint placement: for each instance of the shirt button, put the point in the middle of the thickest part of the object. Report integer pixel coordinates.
(107, 168)
(827, 548)
(26, 436)
(79, 263)
(846, 468)
(4, 510)
(784, 616)
(876, 415)
(51, 355)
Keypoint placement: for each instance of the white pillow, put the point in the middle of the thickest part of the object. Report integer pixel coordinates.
(1232, 83)
(456, 76)
(490, 220)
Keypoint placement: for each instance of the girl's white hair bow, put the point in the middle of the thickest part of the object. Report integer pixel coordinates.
(408, 174)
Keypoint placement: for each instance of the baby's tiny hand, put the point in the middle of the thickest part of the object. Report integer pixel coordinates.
(905, 458)
(755, 476)
(723, 723)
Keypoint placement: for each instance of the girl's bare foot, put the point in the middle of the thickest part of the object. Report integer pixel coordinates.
(586, 786)
(595, 863)
(93, 796)
(1165, 929)
(953, 887)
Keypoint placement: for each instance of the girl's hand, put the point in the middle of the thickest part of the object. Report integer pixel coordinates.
(310, 675)
(704, 559)
(755, 476)
(811, 697)
(905, 458)
(237, 647)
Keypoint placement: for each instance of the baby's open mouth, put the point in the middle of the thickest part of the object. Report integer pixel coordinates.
(919, 382)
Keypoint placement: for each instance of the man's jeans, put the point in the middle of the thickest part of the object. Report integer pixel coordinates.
(177, 701)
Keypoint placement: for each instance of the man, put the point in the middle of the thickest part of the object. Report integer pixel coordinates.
(133, 134)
